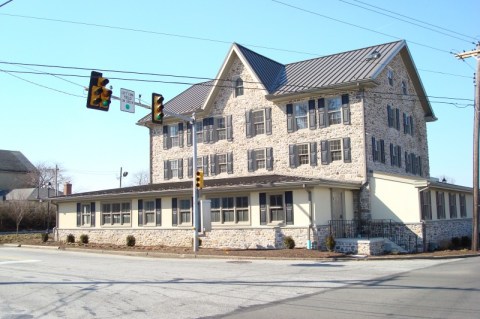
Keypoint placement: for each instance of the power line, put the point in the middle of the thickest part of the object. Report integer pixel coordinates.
(426, 23)
(401, 96)
(1, 5)
(406, 21)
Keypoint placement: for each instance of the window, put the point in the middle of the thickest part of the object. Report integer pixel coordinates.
(301, 120)
(300, 154)
(221, 128)
(199, 131)
(86, 215)
(238, 87)
(395, 155)
(125, 219)
(404, 87)
(390, 77)
(149, 207)
(463, 206)
(440, 205)
(185, 212)
(222, 163)
(258, 122)
(334, 106)
(276, 210)
(335, 150)
(174, 168)
(260, 159)
(229, 210)
(378, 150)
(173, 135)
(452, 201)
(393, 117)
(426, 208)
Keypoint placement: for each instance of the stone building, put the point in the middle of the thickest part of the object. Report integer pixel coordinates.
(336, 144)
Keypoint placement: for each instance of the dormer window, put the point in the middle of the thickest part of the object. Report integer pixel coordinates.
(238, 87)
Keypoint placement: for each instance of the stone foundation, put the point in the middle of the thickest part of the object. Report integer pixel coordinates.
(370, 247)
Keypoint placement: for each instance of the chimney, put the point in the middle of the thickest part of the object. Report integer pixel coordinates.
(67, 189)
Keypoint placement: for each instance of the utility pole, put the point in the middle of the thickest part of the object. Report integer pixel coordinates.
(476, 54)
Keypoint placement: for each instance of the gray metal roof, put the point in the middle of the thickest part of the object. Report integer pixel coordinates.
(14, 161)
(332, 70)
(325, 72)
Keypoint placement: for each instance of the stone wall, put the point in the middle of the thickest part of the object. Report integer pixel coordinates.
(244, 238)
(439, 233)
(369, 247)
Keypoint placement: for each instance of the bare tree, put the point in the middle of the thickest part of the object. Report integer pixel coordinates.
(19, 208)
(141, 178)
(45, 175)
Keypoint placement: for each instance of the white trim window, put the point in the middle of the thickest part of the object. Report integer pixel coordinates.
(238, 87)
(221, 127)
(230, 210)
(276, 209)
(174, 168)
(185, 212)
(149, 207)
(222, 163)
(258, 118)
(199, 130)
(173, 135)
(334, 109)
(86, 215)
(335, 150)
(301, 115)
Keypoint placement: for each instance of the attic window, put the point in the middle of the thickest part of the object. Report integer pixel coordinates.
(238, 87)
(374, 55)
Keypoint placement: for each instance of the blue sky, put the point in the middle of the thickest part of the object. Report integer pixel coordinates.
(191, 38)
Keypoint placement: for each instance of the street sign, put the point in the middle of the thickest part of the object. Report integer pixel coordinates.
(127, 100)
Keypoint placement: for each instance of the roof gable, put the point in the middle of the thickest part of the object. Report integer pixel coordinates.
(14, 161)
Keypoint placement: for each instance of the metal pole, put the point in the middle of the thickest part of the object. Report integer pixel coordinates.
(196, 221)
(475, 158)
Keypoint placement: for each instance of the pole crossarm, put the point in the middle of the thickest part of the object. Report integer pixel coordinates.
(469, 54)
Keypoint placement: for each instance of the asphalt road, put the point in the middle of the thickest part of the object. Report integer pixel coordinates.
(38, 283)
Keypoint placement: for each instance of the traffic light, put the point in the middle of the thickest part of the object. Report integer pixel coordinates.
(199, 180)
(99, 97)
(157, 108)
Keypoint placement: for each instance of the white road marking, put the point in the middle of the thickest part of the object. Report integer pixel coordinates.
(9, 262)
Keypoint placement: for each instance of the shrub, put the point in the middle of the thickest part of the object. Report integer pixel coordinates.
(455, 242)
(44, 237)
(84, 238)
(465, 242)
(289, 242)
(70, 238)
(130, 240)
(330, 242)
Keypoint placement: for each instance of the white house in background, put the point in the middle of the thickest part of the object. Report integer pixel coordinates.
(336, 144)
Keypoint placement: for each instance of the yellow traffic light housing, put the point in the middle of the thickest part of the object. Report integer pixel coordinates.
(157, 108)
(99, 97)
(199, 180)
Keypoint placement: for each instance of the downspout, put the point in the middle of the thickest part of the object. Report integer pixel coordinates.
(310, 216)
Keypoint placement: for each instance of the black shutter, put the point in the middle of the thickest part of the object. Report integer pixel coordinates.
(347, 151)
(411, 125)
(292, 154)
(212, 130)
(407, 163)
(140, 212)
(190, 167)
(174, 212)
(79, 214)
(289, 207)
(180, 168)
(230, 163)
(166, 138)
(269, 157)
(325, 152)
(313, 154)
(419, 166)
(382, 151)
(397, 119)
(346, 109)
(405, 123)
(205, 165)
(92, 213)
(180, 134)
(213, 164)
(374, 150)
(158, 211)
(206, 134)
(251, 160)
(312, 119)
(290, 126)
(263, 208)
(229, 128)
(389, 116)
(248, 124)
(399, 156)
(189, 134)
(268, 121)
(322, 114)
(392, 159)
(166, 169)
